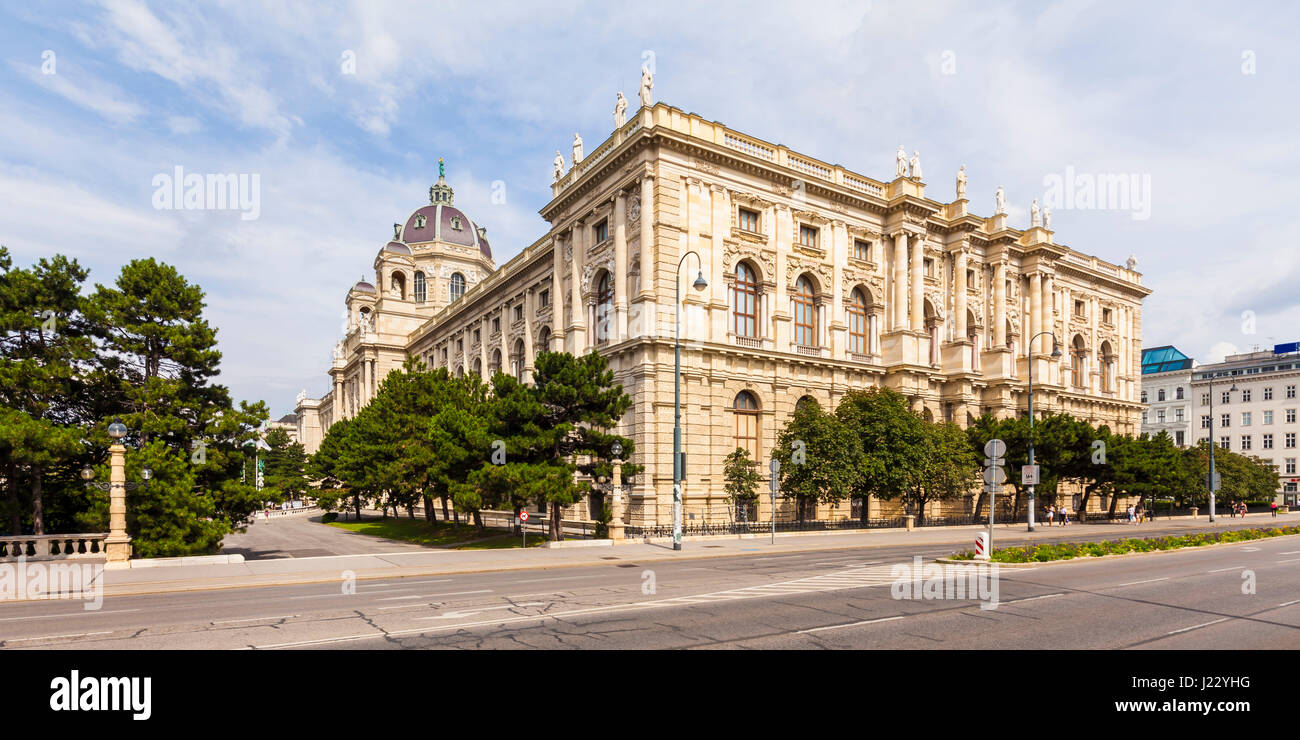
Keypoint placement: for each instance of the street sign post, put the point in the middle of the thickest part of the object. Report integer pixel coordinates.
(1029, 475)
(773, 484)
(994, 477)
(523, 518)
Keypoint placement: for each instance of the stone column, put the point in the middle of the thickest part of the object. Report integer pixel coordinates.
(959, 299)
(718, 229)
(1049, 288)
(338, 398)
(1035, 311)
(527, 359)
(557, 298)
(780, 241)
(117, 547)
(620, 267)
(839, 257)
(616, 502)
(484, 333)
(1000, 305)
(900, 281)
(647, 237)
(918, 284)
(577, 313)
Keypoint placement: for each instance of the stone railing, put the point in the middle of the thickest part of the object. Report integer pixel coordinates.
(749, 146)
(811, 168)
(53, 547)
(807, 350)
(751, 342)
(858, 183)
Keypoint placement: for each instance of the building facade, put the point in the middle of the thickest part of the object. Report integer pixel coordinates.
(1167, 394)
(819, 281)
(1254, 406)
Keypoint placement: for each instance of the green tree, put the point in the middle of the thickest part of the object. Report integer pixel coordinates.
(741, 479)
(891, 443)
(948, 469)
(820, 459)
(285, 466)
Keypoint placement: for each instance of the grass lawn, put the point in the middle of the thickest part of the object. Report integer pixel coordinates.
(436, 534)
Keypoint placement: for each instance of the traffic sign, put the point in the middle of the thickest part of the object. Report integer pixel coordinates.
(1029, 475)
(995, 475)
(995, 448)
(523, 516)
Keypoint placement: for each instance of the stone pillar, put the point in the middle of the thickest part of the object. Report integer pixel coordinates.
(780, 238)
(527, 359)
(918, 284)
(900, 281)
(839, 253)
(959, 298)
(1000, 305)
(577, 313)
(505, 342)
(620, 267)
(720, 226)
(557, 299)
(338, 399)
(117, 547)
(647, 237)
(1049, 288)
(485, 332)
(1035, 312)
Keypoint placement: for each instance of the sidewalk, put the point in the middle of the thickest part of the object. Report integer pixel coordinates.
(336, 568)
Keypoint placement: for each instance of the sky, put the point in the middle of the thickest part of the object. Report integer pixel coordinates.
(340, 111)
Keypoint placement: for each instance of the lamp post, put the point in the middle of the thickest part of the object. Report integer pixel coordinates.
(117, 547)
(616, 503)
(1213, 482)
(699, 284)
(1056, 352)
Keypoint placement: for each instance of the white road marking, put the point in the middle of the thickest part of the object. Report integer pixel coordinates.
(1195, 627)
(1289, 560)
(1033, 598)
(254, 619)
(440, 580)
(852, 624)
(1220, 570)
(468, 612)
(1292, 552)
(1289, 603)
(359, 593)
(69, 614)
(56, 637)
(565, 578)
(1149, 580)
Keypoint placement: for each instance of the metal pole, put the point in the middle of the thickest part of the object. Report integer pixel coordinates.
(677, 408)
(1031, 430)
(1211, 481)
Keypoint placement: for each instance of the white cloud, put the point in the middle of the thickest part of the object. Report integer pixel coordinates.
(80, 88)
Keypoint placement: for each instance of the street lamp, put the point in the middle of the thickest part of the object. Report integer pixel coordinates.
(1213, 483)
(699, 284)
(88, 475)
(616, 484)
(1056, 352)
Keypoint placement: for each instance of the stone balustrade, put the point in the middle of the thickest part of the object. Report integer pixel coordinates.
(53, 547)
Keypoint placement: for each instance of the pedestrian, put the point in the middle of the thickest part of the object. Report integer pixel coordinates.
(1051, 514)
(1273, 508)
(1131, 514)
(1065, 516)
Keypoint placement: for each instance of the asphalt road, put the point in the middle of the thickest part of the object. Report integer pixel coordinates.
(828, 599)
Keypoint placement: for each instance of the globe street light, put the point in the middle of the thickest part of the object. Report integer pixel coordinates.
(699, 284)
(1056, 352)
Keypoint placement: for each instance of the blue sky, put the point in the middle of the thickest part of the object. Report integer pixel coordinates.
(1199, 97)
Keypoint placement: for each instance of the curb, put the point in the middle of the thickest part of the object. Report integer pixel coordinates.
(1114, 556)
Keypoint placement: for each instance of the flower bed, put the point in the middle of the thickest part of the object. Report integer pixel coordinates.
(1070, 550)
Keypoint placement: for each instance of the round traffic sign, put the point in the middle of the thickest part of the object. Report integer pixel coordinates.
(523, 516)
(995, 448)
(995, 475)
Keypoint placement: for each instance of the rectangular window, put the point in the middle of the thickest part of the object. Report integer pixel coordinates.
(1205, 421)
(1290, 391)
(1205, 399)
(544, 299)
(808, 236)
(748, 220)
(1144, 417)
(1268, 441)
(1105, 316)
(460, 345)
(970, 279)
(1180, 438)
(1290, 440)
(1078, 309)
(1268, 417)
(1178, 414)
(519, 313)
(1225, 442)
(1290, 466)
(1225, 420)
(1268, 394)
(601, 231)
(861, 249)
(1290, 416)
(496, 324)
(1245, 442)
(476, 336)
(1245, 396)
(1245, 418)
(1160, 416)
(929, 267)
(1226, 397)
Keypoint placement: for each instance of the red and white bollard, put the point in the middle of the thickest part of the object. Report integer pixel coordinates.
(982, 546)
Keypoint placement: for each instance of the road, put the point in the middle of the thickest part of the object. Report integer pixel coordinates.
(828, 599)
(303, 536)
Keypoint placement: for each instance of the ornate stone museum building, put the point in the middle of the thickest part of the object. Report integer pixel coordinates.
(819, 281)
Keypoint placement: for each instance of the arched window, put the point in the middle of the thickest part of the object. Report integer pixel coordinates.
(805, 401)
(1078, 366)
(604, 307)
(1160, 394)
(421, 288)
(494, 366)
(746, 408)
(858, 323)
(544, 340)
(478, 366)
(517, 360)
(745, 321)
(457, 286)
(1144, 396)
(805, 313)
(1178, 393)
(397, 284)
